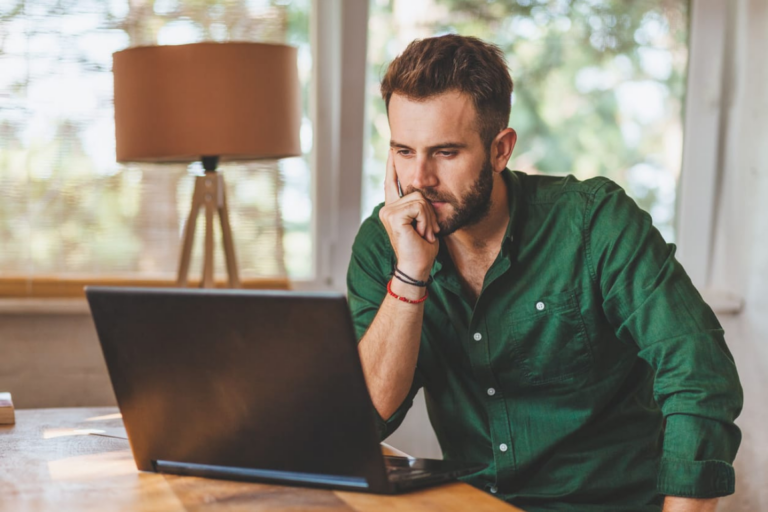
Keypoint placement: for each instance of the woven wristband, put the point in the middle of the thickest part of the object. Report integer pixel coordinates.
(405, 299)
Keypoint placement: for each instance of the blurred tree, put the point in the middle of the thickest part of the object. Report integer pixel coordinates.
(65, 206)
(599, 84)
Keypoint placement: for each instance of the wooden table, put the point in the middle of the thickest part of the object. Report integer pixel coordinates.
(49, 461)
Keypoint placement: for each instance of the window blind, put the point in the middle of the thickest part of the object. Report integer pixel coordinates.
(66, 207)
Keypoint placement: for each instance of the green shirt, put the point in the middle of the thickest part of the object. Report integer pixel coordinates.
(589, 374)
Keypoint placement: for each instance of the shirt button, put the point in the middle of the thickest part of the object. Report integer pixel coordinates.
(540, 306)
(493, 489)
(503, 447)
(478, 336)
(491, 391)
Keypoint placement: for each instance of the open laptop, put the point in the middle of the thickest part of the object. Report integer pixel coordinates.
(248, 385)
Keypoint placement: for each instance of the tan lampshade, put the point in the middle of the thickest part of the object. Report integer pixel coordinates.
(238, 101)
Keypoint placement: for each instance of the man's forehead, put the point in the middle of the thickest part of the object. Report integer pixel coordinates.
(447, 117)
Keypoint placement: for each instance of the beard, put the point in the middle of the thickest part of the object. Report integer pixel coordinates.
(469, 209)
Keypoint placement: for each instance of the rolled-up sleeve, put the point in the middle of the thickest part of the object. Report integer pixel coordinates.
(650, 301)
(367, 275)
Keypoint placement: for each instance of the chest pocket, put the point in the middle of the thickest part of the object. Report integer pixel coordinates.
(550, 343)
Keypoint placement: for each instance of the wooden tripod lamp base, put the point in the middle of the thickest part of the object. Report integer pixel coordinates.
(238, 101)
(209, 194)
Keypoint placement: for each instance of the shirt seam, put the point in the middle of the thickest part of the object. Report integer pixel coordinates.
(592, 269)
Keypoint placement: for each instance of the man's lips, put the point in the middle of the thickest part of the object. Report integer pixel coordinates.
(437, 204)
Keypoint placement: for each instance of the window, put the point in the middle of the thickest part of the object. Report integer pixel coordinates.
(599, 86)
(67, 209)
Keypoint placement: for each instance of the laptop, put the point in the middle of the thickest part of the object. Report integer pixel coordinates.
(249, 385)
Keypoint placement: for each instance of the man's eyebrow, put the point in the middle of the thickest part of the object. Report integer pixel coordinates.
(442, 145)
(394, 144)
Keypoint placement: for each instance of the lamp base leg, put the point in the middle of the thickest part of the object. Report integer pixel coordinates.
(210, 194)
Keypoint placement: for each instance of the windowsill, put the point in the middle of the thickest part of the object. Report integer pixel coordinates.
(65, 295)
(49, 306)
(723, 302)
(38, 298)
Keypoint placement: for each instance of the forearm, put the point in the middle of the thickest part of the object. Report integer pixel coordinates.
(390, 348)
(677, 504)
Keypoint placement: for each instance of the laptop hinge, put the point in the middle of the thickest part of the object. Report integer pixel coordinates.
(258, 475)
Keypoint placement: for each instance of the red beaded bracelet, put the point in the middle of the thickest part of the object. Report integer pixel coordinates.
(405, 299)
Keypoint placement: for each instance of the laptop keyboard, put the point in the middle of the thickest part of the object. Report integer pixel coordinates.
(400, 473)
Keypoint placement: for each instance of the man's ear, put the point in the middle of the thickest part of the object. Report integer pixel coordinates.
(501, 148)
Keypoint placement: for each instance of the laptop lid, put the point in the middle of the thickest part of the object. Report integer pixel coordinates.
(266, 380)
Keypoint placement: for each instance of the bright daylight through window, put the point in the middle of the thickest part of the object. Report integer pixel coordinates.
(67, 209)
(599, 86)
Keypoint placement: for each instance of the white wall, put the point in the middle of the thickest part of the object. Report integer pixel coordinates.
(52, 360)
(740, 262)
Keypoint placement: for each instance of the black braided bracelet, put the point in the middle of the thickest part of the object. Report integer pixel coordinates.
(402, 276)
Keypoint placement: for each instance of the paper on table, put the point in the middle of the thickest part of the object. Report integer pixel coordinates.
(7, 416)
(388, 449)
(116, 432)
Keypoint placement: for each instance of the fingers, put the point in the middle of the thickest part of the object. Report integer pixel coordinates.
(428, 215)
(435, 225)
(430, 221)
(424, 217)
(418, 212)
(424, 226)
(391, 191)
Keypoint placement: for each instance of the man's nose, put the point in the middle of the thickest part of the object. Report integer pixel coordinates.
(425, 175)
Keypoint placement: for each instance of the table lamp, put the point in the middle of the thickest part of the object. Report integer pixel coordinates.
(208, 102)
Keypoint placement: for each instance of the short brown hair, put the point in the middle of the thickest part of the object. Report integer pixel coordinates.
(436, 65)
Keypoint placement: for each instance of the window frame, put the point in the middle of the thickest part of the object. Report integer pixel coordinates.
(339, 40)
(704, 131)
(55, 286)
(339, 37)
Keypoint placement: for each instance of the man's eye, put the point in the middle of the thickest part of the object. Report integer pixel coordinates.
(446, 153)
(404, 152)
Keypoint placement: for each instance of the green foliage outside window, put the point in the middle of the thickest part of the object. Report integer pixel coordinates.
(599, 85)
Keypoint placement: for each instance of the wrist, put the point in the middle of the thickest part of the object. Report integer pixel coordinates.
(408, 291)
(678, 504)
(417, 272)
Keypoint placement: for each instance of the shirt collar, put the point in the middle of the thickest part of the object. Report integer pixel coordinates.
(514, 195)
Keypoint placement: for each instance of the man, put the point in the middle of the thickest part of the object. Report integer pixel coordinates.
(555, 335)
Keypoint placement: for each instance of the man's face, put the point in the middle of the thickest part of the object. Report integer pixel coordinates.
(438, 152)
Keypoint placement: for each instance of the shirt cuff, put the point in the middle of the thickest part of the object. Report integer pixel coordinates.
(381, 425)
(695, 478)
(385, 428)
